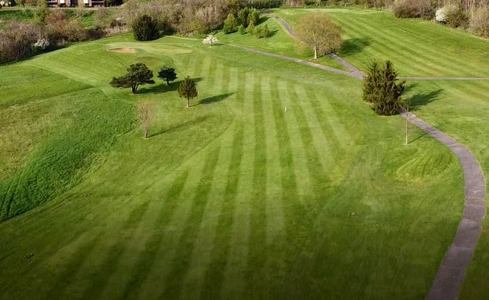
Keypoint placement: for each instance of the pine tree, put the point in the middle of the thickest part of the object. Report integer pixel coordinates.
(382, 90)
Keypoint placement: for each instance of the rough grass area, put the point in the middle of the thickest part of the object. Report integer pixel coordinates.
(278, 182)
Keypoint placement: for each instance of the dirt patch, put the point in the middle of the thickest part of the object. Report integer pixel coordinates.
(123, 50)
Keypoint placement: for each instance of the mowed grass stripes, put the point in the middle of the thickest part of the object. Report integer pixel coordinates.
(282, 185)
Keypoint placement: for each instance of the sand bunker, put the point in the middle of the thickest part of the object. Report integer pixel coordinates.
(123, 50)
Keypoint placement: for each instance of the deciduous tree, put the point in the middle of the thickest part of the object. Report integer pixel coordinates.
(188, 89)
(146, 114)
(319, 33)
(137, 74)
(145, 28)
(168, 74)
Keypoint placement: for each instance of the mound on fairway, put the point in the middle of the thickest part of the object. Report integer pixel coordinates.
(278, 183)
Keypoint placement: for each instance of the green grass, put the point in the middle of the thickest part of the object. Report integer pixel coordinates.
(279, 42)
(29, 15)
(416, 47)
(278, 183)
(459, 108)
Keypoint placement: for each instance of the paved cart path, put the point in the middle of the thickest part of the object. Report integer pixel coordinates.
(451, 273)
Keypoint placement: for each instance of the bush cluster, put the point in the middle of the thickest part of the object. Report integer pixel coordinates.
(145, 28)
(413, 9)
(21, 40)
(244, 18)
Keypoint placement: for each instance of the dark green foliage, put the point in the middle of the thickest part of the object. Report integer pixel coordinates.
(145, 28)
(382, 90)
(243, 16)
(254, 17)
(187, 90)
(168, 74)
(230, 24)
(137, 74)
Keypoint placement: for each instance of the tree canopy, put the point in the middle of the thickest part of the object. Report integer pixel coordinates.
(382, 90)
(145, 28)
(168, 74)
(188, 89)
(137, 74)
(319, 33)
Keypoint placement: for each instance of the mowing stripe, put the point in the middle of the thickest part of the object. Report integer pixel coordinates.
(256, 273)
(295, 130)
(153, 244)
(153, 284)
(114, 253)
(421, 53)
(237, 259)
(184, 247)
(205, 245)
(274, 207)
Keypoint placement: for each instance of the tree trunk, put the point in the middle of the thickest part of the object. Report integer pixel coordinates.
(315, 52)
(188, 102)
(134, 89)
(145, 132)
(167, 82)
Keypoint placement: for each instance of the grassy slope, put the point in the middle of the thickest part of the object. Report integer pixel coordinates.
(458, 108)
(417, 48)
(280, 42)
(238, 197)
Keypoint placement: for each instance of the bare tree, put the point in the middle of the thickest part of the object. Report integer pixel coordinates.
(319, 33)
(146, 114)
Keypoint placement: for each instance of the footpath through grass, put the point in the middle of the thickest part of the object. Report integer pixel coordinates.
(458, 108)
(278, 183)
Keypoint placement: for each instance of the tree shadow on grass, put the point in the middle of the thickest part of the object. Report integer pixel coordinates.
(353, 46)
(421, 99)
(214, 99)
(180, 126)
(163, 87)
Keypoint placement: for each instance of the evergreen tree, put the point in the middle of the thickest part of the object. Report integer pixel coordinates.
(382, 90)
(230, 24)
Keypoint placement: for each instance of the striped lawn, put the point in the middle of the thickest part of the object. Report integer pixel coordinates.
(417, 48)
(278, 183)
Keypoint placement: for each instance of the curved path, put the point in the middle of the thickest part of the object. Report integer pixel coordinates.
(451, 273)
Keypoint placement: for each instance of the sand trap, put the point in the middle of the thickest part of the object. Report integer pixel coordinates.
(123, 50)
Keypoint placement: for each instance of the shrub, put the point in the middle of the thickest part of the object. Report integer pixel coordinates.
(210, 40)
(413, 9)
(479, 23)
(145, 28)
(230, 24)
(254, 17)
(251, 29)
(241, 29)
(137, 74)
(262, 31)
(17, 40)
(381, 89)
(243, 16)
(456, 17)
